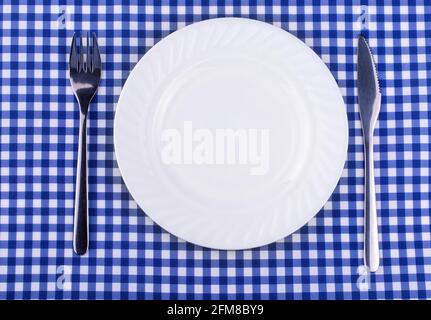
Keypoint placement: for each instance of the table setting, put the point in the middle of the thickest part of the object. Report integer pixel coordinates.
(207, 150)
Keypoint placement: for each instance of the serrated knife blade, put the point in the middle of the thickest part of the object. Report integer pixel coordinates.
(368, 84)
(369, 99)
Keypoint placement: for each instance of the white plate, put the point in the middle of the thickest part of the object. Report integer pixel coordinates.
(261, 82)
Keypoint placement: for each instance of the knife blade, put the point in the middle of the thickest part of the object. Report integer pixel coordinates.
(369, 100)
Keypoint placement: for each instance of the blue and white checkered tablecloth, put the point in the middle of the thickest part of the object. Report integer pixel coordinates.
(131, 257)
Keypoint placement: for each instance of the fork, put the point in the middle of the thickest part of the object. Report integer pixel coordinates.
(84, 78)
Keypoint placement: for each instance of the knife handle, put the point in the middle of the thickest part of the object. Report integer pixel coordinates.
(371, 230)
(371, 236)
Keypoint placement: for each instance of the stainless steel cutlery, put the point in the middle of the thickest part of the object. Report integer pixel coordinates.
(85, 72)
(369, 99)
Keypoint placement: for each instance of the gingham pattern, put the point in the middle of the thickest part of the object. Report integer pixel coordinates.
(130, 257)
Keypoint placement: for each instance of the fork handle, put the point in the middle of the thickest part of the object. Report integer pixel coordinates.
(371, 229)
(80, 229)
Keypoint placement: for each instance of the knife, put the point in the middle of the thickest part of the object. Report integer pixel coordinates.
(369, 99)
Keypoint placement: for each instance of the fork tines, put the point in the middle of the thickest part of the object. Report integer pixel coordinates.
(92, 60)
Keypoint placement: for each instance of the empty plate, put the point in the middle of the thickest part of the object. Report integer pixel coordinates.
(231, 133)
